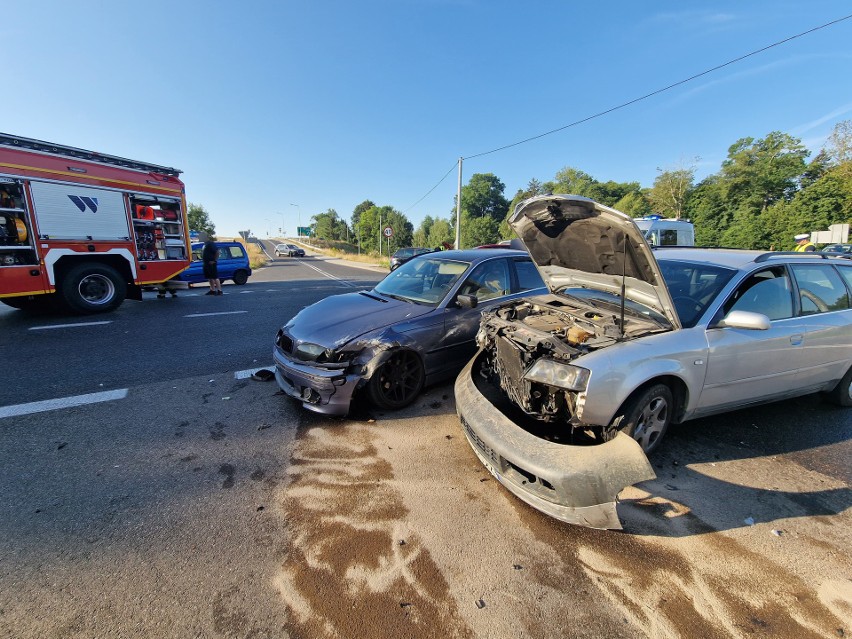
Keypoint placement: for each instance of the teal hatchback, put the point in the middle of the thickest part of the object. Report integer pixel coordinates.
(233, 264)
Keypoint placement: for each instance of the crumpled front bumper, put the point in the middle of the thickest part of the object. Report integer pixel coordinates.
(321, 390)
(576, 484)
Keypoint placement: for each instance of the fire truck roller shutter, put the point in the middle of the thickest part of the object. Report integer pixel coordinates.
(75, 212)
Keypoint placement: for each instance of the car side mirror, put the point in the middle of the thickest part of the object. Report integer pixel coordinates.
(745, 319)
(467, 301)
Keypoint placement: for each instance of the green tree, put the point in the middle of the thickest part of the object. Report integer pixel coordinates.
(356, 213)
(371, 223)
(199, 220)
(478, 230)
(705, 206)
(670, 191)
(634, 204)
(421, 235)
(403, 230)
(441, 231)
(329, 226)
(571, 181)
(759, 173)
(482, 197)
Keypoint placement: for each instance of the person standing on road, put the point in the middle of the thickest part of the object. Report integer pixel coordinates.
(210, 257)
(804, 244)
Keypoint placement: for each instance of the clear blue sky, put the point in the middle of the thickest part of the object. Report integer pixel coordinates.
(326, 104)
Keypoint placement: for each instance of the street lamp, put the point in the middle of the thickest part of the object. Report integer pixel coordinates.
(298, 228)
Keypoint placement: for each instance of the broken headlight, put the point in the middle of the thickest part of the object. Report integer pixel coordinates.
(308, 352)
(546, 371)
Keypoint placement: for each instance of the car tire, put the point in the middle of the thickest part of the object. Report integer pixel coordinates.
(842, 393)
(646, 416)
(240, 277)
(92, 288)
(397, 382)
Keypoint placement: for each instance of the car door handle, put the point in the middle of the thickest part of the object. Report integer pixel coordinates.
(796, 340)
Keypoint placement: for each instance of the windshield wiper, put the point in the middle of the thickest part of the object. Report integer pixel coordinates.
(397, 297)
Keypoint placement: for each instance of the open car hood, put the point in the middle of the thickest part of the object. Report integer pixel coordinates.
(579, 243)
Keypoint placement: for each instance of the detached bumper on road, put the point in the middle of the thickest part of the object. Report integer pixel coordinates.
(323, 391)
(576, 484)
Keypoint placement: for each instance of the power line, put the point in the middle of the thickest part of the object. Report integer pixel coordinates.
(433, 188)
(658, 91)
(634, 101)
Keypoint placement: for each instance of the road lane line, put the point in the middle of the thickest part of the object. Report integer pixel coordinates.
(217, 313)
(61, 402)
(329, 275)
(49, 326)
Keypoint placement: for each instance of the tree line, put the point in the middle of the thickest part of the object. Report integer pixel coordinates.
(765, 192)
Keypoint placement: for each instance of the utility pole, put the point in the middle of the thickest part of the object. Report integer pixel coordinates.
(458, 207)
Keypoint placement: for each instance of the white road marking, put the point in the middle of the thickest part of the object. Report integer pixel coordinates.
(44, 328)
(218, 313)
(61, 402)
(251, 371)
(329, 275)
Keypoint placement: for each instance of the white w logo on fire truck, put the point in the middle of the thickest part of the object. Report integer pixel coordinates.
(82, 203)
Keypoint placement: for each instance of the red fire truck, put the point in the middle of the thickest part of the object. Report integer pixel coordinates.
(81, 230)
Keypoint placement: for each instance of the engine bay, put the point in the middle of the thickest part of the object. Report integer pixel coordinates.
(514, 336)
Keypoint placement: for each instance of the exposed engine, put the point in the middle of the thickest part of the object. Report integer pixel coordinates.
(515, 336)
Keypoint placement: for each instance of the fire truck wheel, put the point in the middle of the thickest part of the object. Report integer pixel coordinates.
(93, 288)
(240, 277)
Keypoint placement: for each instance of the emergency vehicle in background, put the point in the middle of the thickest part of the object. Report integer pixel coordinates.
(81, 230)
(661, 231)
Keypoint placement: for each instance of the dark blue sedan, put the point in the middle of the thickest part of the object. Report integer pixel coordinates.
(416, 327)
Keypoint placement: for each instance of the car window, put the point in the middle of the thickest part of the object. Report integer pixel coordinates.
(196, 255)
(235, 252)
(424, 280)
(488, 280)
(693, 287)
(820, 288)
(846, 273)
(528, 275)
(768, 292)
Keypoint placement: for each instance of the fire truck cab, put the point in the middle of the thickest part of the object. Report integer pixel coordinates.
(81, 231)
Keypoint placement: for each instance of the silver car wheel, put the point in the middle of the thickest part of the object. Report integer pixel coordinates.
(652, 423)
(647, 415)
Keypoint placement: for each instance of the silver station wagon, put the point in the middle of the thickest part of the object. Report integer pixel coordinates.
(571, 390)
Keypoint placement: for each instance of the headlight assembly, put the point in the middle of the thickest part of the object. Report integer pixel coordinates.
(309, 352)
(546, 371)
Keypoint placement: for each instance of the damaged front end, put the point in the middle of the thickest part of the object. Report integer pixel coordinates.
(529, 348)
(326, 379)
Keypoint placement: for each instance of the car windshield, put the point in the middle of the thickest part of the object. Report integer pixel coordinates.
(422, 281)
(693, 287)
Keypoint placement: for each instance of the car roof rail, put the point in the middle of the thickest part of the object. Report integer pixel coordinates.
(768, 256)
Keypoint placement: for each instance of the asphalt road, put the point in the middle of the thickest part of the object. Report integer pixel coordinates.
(198, 502)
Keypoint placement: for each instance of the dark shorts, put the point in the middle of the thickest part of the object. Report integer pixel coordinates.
(211, 271)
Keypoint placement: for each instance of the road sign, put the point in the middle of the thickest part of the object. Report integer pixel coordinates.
(387, 232)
